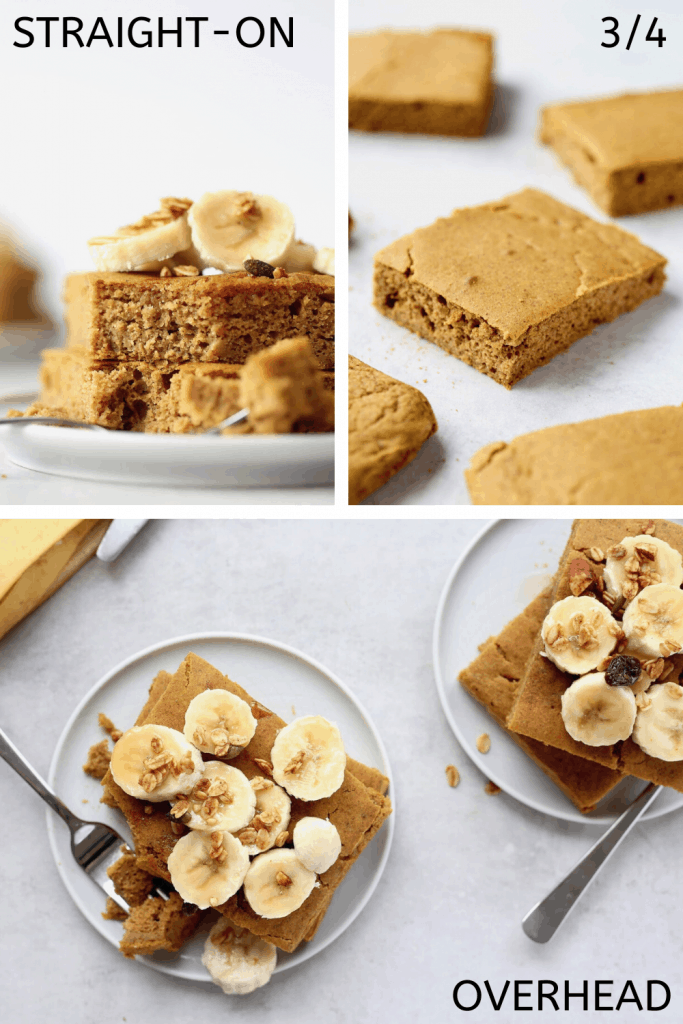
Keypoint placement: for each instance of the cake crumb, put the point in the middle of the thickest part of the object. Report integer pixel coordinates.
(484, 743)
(452, 775)
(491, 788)
(97, 763)
(114, 912)
(106, 723)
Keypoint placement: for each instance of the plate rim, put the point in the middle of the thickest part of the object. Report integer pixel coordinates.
(51, 818)
(568, 814)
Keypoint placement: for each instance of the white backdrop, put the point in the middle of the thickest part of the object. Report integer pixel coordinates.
(546, 51)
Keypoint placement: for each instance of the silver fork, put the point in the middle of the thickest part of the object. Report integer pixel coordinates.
(61, 421)
(95, 846)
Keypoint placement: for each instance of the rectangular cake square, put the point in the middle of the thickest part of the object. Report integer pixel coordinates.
(221, 318)
(626, 151)
(437, 83)
(358, 808)
(139, 396)
(537, 709)
(493, 679)
(508, 285)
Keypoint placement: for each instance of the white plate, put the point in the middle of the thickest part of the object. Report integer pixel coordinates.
(264, 460)
(508, 564)
(285, 680)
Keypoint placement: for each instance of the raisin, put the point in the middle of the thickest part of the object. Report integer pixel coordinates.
(622, 671)
(257, 268)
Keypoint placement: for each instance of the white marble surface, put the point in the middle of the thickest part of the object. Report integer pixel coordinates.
(465, 867)
(545, 53)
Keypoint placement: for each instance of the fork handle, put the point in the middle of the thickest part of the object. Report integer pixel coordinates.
(17, 761)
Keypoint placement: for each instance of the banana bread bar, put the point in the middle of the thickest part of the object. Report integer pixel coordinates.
(631, 458)
(221, 318)
(494, 678)
(140, 396)
(537, 709)
(438, 83)
(388, 423)
(508, 285)
(358, 808)
(626, 151)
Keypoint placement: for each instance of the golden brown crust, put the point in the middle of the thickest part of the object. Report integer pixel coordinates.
(388, 423)
(435, 82)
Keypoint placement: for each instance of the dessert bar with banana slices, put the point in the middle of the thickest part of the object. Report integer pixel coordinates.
(603, 680)
(263, 824)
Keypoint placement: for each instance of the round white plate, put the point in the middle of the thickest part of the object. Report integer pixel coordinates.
(287, 682)
(262, 460)
(506, 565)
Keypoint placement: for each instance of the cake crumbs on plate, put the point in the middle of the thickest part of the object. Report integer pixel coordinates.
(97, 763)
(491, 788)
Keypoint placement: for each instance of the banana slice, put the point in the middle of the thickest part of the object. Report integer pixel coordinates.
(308, 758)
(208, 868)
(324, 261)
(222, 801)
(219, 723)
(277, 883)
(268, 827)
(659, 722)
(653, 622)
(237, 960)
(596, 713)
(230, 227)
(317, 843)
(155, 763)
(578, 633)
(638, 562)
(299, 257)
(156, 236)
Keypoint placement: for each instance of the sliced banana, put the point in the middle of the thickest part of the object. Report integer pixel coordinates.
(230, 227)
(324, 261)
(638, 562)
(277, 883)
(156, 236)
(219, 723)
(653, 622)
(596, 713)
(299, 257)
(237, 960)
(659, 722)
(154, 763)
(223, 800)
(317, 843)
(308, 758)
(578, 633)
(207, 868)
(269, 825)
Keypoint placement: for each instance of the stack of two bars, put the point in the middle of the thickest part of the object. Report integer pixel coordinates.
(525, 691)
(147, 352)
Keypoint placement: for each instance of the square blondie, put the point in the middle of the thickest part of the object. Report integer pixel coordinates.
(494, 678)
(358, 809)
(436, 83)
(221, 318)
(508, 285)
(626, 151)
(536, 712)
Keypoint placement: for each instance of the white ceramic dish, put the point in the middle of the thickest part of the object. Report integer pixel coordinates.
(279, 460)
(506, 565)
(288, 682)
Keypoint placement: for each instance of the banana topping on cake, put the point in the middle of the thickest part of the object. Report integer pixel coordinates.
(229, 227)
(207, 868)
(638, 562)
(578, 633)
(238, 961)
(309, 758)
(658, 728)
(219, 723)
(143, 245)
(277, 883)
(596, 713)
(269, 825)
(222, 800)
(155, 763)
(317, 843)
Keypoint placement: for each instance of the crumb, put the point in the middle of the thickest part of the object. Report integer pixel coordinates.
(84, 801)
(114, 912)
(293, 710)
(484, 743)
(98, 760)
(4, 476)
(148, 809)
(491, 788)
(106, 723)
(453, 775)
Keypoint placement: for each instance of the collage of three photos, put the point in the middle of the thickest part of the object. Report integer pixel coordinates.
(306, 763)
